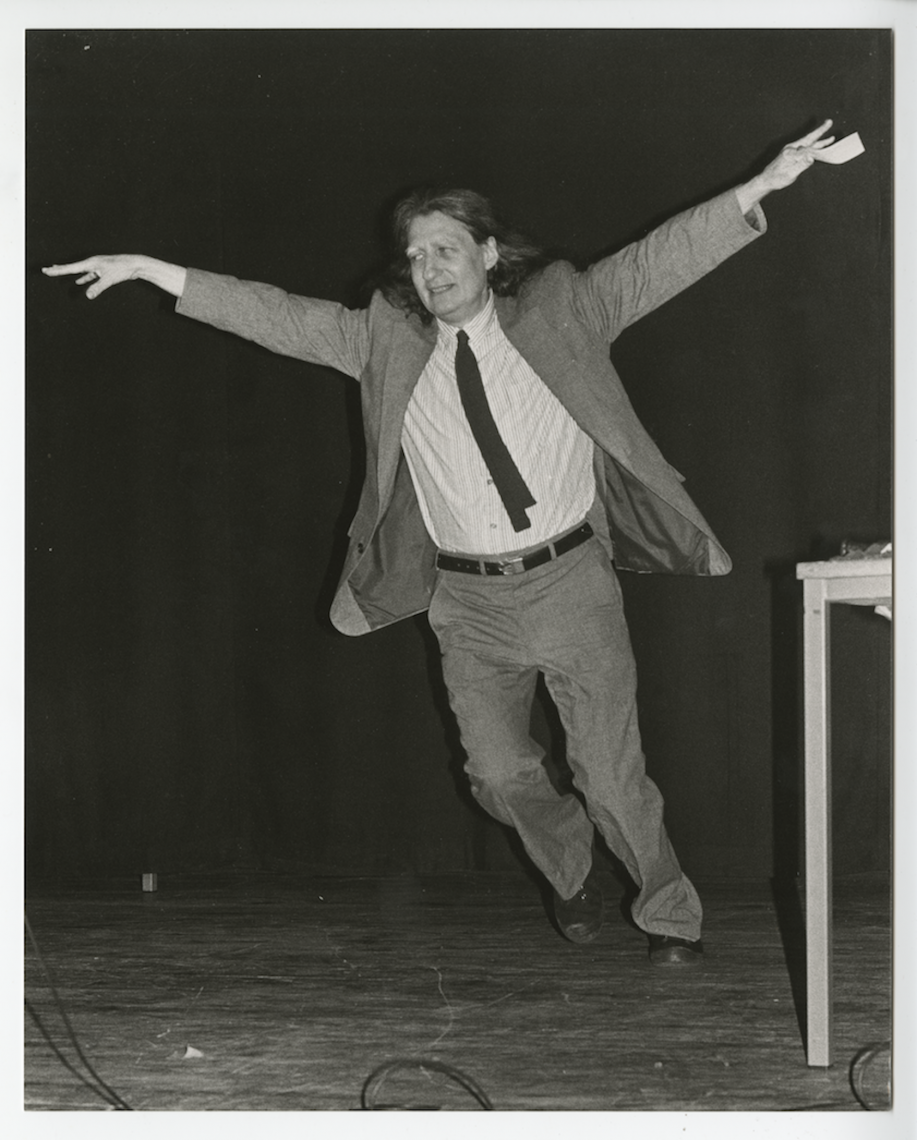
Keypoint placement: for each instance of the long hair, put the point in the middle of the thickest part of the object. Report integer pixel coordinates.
(519, 258)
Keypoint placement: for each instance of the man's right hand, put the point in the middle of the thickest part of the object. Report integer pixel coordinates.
(104, 270)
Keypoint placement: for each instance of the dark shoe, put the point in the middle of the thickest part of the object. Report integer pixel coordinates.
(580, 918)
(667, 950)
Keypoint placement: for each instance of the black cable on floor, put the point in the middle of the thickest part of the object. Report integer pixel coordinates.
(859, 1071)
(860, 1068)
(100, 1088)
(378, 1077)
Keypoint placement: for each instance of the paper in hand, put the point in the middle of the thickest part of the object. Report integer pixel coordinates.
(841, 151)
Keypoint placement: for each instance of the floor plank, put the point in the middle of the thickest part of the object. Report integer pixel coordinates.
(257, 992)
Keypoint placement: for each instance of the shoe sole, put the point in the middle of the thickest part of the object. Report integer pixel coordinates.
(581, 933)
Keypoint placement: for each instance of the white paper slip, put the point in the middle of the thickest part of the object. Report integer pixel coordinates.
(841, 151)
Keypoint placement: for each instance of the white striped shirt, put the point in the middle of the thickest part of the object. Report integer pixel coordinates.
(459, 503)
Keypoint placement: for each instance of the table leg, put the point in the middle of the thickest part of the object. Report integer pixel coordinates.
(818, 885)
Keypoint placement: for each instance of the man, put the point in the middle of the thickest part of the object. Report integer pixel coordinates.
(505, 473)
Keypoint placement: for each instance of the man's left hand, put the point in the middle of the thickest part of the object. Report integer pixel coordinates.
(786, 167)
(795, 158)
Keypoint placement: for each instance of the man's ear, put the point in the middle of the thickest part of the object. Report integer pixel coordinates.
(491, 253)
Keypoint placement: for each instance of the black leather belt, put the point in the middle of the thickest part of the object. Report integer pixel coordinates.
(516, 565)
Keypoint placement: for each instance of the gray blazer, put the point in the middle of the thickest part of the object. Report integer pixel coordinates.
(562, 323)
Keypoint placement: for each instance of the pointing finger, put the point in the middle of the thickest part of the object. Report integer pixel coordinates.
(60, 270)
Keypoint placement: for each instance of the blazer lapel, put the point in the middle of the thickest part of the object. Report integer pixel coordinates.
(412, 346)
(538, 344)
(527, 331)
(602, 410)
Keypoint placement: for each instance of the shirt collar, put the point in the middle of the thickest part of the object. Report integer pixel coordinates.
(476, 327)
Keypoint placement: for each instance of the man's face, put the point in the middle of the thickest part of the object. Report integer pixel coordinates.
(448, 267)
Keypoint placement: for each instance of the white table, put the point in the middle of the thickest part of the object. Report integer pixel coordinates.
(858, 582)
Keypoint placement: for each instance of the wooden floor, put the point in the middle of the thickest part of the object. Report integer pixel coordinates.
(287, 992)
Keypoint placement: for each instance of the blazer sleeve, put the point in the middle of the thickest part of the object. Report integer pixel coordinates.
(622, 288)
(313, 330)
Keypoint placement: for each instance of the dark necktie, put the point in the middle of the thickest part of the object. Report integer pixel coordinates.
(512, 488)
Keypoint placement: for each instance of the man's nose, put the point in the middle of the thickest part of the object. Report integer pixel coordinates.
(430, 269)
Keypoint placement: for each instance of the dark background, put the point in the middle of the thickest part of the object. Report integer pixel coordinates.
(188, 704)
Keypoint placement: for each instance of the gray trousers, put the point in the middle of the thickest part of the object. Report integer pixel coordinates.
(564, 619)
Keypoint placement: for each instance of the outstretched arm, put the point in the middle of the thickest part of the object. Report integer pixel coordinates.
(105, 270)
(310, 329)
(786, 167)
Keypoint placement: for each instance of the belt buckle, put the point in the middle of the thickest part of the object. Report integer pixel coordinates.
(512, 566)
